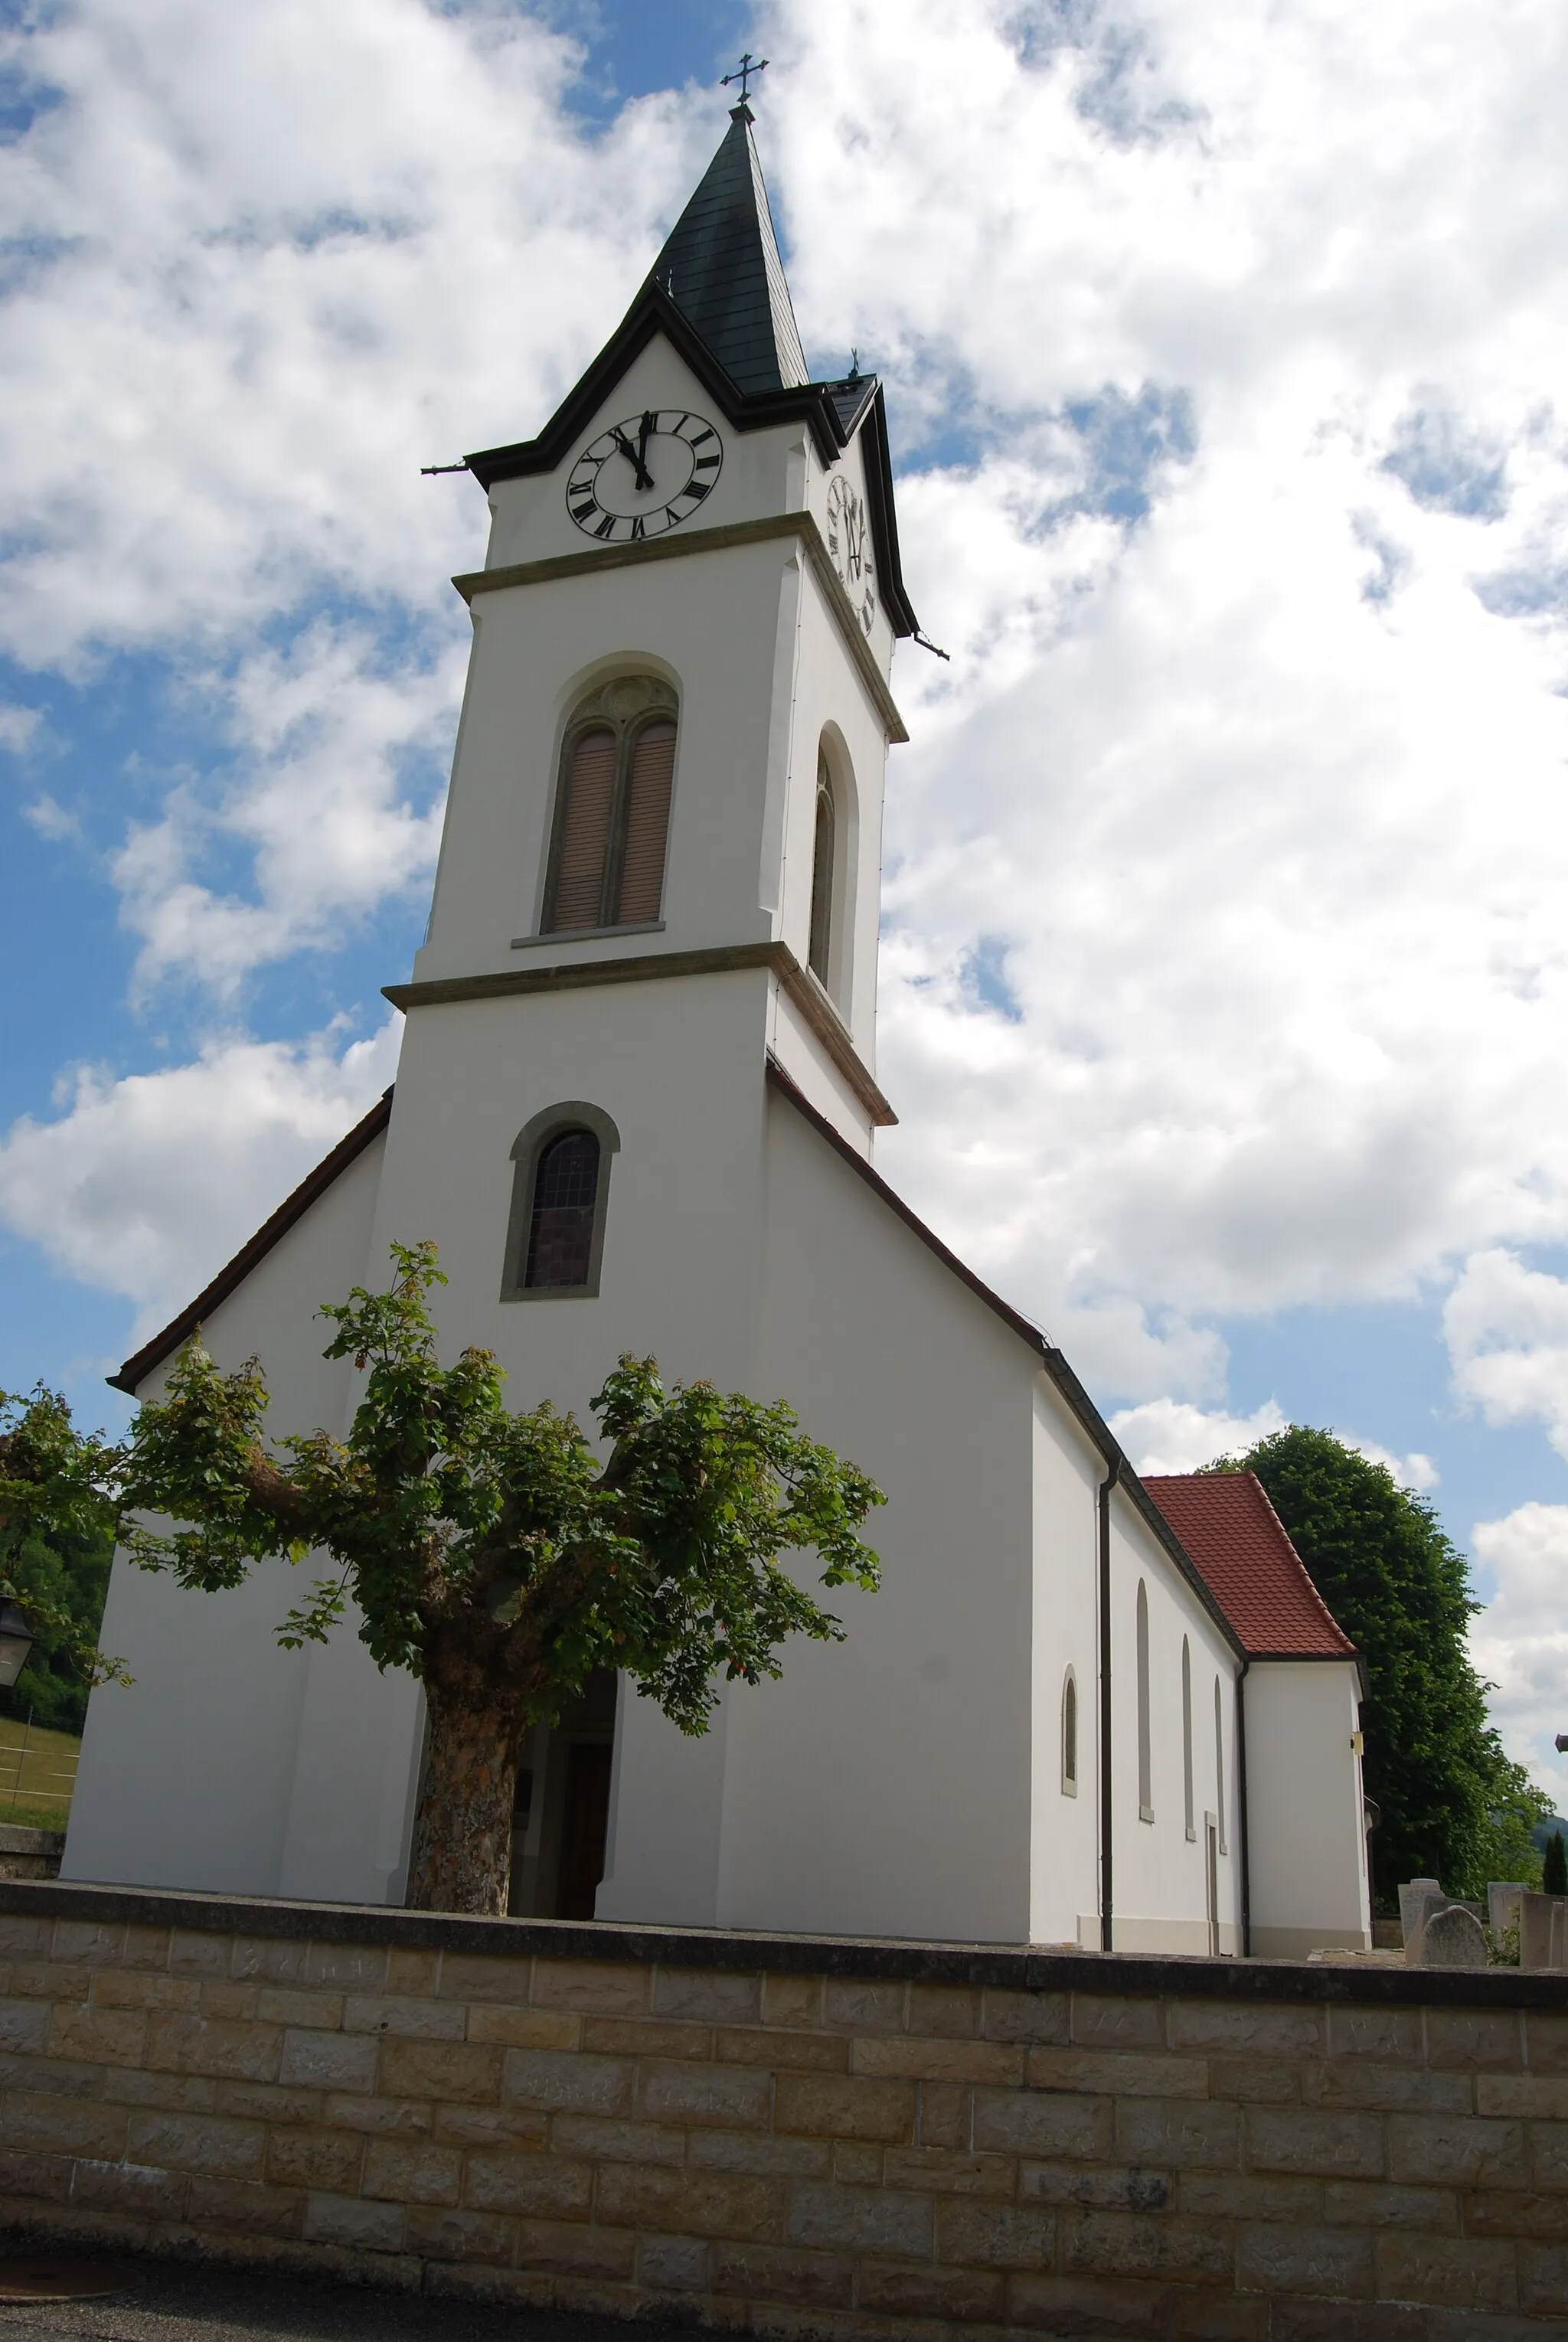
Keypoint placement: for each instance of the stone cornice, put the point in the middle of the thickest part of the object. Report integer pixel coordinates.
(802, 989)
(799, 525)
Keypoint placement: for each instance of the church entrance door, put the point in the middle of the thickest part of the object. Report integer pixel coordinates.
(562, 1820)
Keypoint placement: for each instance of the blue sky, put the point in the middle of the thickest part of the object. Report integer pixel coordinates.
(1222, 999)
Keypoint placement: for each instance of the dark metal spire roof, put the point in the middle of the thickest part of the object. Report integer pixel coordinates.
(720, 267)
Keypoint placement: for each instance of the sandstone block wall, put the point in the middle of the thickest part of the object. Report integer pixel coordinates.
(837, 2140)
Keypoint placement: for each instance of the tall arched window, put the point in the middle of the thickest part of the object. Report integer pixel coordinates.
(612, 808)
(1187, 1736)
(1070, 1735)
(556, 1234)
(1220, 1762)
(1145, 1767)
(823, 876)
(561, 1224)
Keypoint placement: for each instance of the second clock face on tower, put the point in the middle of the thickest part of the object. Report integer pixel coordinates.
(848, 544)
(646, 475)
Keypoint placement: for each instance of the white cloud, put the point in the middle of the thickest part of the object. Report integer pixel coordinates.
(146, 1185)
(334, 802)
(1507, 1330)
(54, 822)
(267, 262)
(1168, 1435)
(1520, 1641)
(17, 726)
(1165, 1436)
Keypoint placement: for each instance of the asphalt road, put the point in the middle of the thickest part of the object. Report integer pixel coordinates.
(185, 2301)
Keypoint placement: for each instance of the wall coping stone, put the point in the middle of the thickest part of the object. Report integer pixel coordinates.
(1016, 1967)
(15, 1837)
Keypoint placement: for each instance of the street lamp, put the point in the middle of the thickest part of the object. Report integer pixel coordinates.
(1563, 1744)
(15, 1642)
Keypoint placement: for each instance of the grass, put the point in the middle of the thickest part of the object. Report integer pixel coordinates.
(36, 1780)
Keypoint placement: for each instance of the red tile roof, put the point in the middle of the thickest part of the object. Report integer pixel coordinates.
(1238, 1541)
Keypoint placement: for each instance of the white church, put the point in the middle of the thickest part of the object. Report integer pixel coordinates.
(636, 1108)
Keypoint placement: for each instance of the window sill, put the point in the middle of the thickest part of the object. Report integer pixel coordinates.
(1146, 1813)
(1069, 1788)
(551, 1293)
(1191, 1835)
(587, 935)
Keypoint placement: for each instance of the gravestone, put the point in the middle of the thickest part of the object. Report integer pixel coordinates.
(1542, 1931)
(1413, 1901)
(1502, 1904)
(1452, 1937)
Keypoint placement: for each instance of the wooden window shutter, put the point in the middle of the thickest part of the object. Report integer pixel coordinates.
(583, 839)
(647, 818)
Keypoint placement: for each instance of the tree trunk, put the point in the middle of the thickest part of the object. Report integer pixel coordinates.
(462, 1854)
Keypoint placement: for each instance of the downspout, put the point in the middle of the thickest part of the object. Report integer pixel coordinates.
(1241, 1827)
(1106, 1802)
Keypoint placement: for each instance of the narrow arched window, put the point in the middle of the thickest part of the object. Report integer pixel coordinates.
(821, 877)
(1187, 1736)
(1145, 1767)
(555, 1236)
(561, 1229)
(1220, 1762)
(1070, 1735)
(612, 809)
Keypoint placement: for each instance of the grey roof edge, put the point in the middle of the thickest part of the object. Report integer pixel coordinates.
(1079, 1403)
(1028, 1968)
(233, 1275)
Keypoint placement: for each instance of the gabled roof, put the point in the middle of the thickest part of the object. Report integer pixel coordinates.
(1227, 1524)
(720, 267)
(1078, 1399)
(293, 1207)
(731, 309)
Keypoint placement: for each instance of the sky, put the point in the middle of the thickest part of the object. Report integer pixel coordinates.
(1224, 986)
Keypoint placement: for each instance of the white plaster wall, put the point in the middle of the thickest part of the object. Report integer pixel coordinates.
(1064, 1855)
(882, 1786)
(1159, 1884)
(188, 1774)
(1305, 1811)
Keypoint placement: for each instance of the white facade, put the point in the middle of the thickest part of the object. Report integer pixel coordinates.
(910, 1781)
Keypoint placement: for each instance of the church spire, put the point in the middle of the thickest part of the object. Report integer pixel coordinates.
(720, 267)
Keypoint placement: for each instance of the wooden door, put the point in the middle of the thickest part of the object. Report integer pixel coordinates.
(582, 1829)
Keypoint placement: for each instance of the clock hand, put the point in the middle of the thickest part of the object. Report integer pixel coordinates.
(633, 456)
(643, 443)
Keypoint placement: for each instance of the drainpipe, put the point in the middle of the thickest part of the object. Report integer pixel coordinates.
(1106, 1803)
(1242, 1828)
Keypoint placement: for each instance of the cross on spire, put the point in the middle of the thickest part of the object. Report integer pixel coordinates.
(747, 66)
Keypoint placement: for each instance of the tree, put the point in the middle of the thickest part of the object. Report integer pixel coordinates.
(1554, 1868)
(1453, 1805)
(492, 1553)
(56, 1540)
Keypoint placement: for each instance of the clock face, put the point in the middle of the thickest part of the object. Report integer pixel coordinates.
(850, 545)
(646, 475)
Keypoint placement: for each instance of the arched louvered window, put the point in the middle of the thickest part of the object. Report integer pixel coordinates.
(823, 875)
(555, 1238)
(1070, 1735)
(612, 809)
(1187, 1736)
(1145, 1765)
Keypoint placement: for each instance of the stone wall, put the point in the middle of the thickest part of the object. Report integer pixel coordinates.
(787, 2135)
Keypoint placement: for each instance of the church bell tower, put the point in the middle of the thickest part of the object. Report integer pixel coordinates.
(660, 870)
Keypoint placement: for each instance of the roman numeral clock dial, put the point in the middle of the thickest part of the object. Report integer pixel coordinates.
(644, 476)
